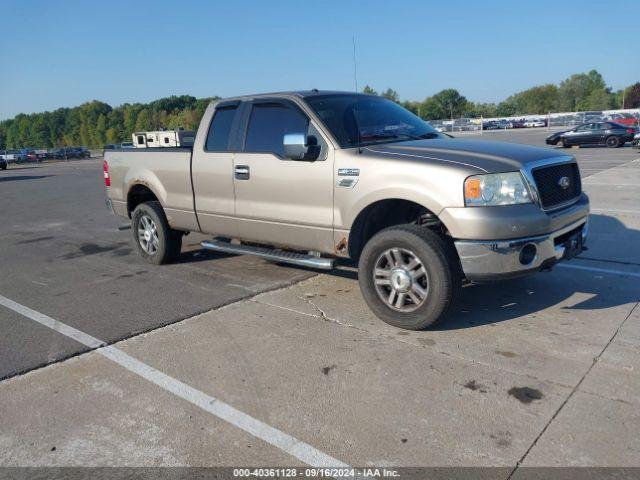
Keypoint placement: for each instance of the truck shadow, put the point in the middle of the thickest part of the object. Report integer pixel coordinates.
(571, 289)
(22, 177)
(483, 304)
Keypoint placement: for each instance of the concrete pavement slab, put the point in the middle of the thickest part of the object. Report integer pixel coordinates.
(88, 411)
(529, 327)
(616, 375)
(614, 227)
(368, 400)
(590, 431)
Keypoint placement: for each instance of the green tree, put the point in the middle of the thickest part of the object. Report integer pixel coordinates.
(505, 109)
(391, 95)
(600, 99)
(369, 91)
(487, 110)
(143, 120)
(574, 91)
(541, 99)
(632, 96)
(447, 103)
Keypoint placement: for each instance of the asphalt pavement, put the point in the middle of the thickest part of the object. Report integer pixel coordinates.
(61, 253)
(247, 363)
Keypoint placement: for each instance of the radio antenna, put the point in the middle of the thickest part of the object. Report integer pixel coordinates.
(355, 64)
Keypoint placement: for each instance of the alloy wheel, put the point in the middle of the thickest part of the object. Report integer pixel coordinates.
(148, 235)
(401, 280)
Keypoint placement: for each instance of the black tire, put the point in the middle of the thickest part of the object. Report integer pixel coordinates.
(562, 143)
(3, 166)
(612, 141)
(443, 275)
(167, 242)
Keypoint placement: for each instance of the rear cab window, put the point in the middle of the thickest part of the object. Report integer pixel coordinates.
(220, 129)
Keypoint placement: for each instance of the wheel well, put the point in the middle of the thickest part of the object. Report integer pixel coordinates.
(139, 194)
(386, 213)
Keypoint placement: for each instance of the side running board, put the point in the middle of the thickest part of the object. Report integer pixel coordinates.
(271, 254)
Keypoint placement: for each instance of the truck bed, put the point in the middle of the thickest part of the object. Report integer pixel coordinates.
(165, 171)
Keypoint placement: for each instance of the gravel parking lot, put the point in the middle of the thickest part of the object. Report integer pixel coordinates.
(224, 360)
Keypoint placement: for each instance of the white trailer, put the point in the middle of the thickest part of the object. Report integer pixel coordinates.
(163, 138)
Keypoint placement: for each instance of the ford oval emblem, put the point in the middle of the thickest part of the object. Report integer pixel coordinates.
(564, 182)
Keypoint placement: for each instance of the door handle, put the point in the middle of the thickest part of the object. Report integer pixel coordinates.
(242, 172)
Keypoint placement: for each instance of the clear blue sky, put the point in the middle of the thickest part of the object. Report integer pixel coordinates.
(63, 53)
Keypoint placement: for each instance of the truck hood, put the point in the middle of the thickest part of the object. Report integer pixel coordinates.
(481, 155)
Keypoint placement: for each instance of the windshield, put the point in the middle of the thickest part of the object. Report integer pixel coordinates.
(359, 120)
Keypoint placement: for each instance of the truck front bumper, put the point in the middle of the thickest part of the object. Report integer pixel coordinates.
(484, 261)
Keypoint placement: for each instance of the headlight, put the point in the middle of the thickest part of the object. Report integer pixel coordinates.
(495, 189)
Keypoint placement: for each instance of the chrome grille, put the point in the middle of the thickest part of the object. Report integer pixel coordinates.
(549, 179)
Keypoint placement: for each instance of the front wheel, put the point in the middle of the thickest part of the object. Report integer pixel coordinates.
(409, 276)
(154, 239)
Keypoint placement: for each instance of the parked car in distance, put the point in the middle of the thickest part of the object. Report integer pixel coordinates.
(491, 125)
(82, 152)
(9, 156)
(610, 134)
(126, 145)
(70, 152)
(535, 123)
(57, 153)
(625, 119)
(36, 154)
(305, 177)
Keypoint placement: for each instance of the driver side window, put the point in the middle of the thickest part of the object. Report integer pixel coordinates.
(268, 124)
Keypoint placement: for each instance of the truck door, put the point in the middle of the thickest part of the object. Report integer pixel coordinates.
(212, 169)
(278, 200)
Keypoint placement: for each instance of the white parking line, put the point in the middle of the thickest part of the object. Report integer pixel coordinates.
(285, 442)
(600, 270)
(614, 210)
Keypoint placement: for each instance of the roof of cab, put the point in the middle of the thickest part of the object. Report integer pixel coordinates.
(292, 93)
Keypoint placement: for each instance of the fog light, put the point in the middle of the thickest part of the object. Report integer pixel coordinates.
(528, 254)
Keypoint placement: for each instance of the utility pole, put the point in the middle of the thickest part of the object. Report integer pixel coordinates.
(548, 120)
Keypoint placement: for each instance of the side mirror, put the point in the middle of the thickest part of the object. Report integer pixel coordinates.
(297, 146)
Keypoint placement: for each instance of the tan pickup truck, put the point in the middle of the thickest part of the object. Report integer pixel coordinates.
(311, 177)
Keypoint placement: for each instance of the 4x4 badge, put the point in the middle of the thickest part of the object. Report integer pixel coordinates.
(349, 172)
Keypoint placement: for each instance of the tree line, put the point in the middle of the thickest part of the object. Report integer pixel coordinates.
(580, 92)
(96, 123)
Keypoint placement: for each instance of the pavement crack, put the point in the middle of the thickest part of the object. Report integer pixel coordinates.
(322, 315)
(596, 359)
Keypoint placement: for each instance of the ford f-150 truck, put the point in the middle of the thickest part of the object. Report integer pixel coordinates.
(310, 177)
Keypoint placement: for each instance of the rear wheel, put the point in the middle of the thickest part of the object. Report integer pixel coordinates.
(612, 142)
(409, 276)
(154, 239)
